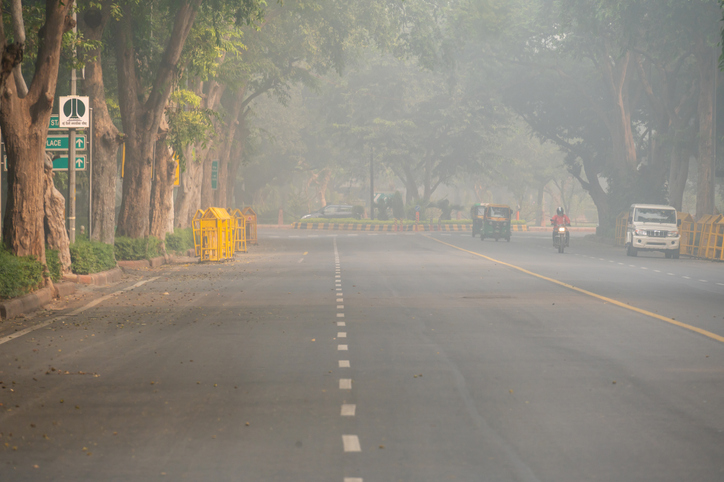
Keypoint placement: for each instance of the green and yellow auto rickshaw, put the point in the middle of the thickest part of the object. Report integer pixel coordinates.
(477, 213)
(496, 222)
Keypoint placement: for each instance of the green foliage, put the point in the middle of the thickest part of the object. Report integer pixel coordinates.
(18, 275)
(180, 240)
(88, 257)
(52, 261)
(188, 123)
(358, 212)
(382, 206)
(130, 249)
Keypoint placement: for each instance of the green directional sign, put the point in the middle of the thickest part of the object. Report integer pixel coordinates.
(54, 124)
(214, 174)
(60, 143)
(61, 163)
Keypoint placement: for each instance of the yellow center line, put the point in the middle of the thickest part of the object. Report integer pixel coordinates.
(305, 253)
(672, 321)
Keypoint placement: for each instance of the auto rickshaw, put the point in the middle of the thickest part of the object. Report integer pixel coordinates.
(496, 222)
(477, 213)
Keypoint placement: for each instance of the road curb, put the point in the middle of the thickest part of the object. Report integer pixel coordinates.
(158, 261)
(99, 279)
(34, 301)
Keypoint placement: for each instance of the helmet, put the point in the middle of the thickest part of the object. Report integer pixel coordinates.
(559, 211)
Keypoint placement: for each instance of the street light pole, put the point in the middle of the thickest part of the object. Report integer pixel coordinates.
(372, 183)
(71, 153)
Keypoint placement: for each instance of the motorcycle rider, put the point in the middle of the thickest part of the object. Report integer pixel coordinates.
(560, 219)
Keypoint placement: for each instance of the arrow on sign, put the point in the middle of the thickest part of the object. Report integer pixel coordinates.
(80, 142)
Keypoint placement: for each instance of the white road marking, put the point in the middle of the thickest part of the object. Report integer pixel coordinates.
(657, 271)
(337, 276)
(340, 307)
(302, 259)
(351, 443)
(342, 348)
(293, 236)
(77, 311)
(339, 289)
(313, 236)
(345, 384)
(686, 277)
(342, 334)
(703, 281)
(353, 479)
(339, 294)
(348, 410)
(670, 274)
(643, 267)
(341, 323)
(344, 364)
(621, 264)
(720, 284)
(632, 265)
(601, 259)
(353, 235)
(339, 300)
(340, 315)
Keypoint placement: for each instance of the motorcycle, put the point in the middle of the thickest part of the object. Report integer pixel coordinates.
(560, 238)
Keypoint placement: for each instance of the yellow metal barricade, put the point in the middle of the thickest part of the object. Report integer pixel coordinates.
(687, 231)
(239, 223)
(718, 239)
(707, 240)
(621, 224)
(196, 226)
(250, 225)
(217, 236)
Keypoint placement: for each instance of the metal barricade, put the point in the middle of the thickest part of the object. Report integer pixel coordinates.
(216, 235)
(239, 226)
(687, 231)
(718, 241)
(250, 215)
(621, 225)
(707, 239)
(196, 227)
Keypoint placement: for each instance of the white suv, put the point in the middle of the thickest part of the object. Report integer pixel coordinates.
(652, 227)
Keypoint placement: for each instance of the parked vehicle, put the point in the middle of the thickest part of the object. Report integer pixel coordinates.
(652, 227)
(477, 214)
(333, 211)
(496, 222)
(560, 238)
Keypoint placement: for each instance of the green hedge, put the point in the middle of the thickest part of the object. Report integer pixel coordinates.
(180, 240)
(88, 257)
(131, 249)
(52, 261)
(18, 275)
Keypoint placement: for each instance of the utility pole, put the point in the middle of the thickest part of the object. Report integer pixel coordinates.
(71, 149)
(372, 183)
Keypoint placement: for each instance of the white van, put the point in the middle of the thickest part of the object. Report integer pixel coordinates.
(652, 227)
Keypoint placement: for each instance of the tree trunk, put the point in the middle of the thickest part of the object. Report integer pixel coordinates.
(706, 62)
(24, 123)
(207, 193)
(188, 198)
(678, 174)
(235, 159)
(539, 212)
(142, 120)
(56, 236)
(162, 195)
(106, 138)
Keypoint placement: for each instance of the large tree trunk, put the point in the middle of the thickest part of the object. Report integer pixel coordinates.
(207, 193)
(235, 159)
(706, 62)
(678, 174)
(106, 138)
(162, 196)
(24, 123)
(141, 121)
(56, 236)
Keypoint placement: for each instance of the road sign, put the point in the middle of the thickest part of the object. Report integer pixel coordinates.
(74, 112)
(61, 163)
(54, 124)
(60, 143)
(214, 174)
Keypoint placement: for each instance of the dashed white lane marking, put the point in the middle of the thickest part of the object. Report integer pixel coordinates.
(339, 294)
(686, 277)
(344, 364)
(632, 265)
(351, 443)
(601, 259)
(703, 281)
(337, 276)
(643, 267)
(657, 271)
(340, 315)
(313, 236)
(345, 384)
(339, 300)
(720, 284)
(300, 260)
(293, 236)
(340, 307)
(348, 410)
(621, 264)
(353, 235)
(354, 479)
(341, 323)
(339, 289)
(342, 348)
(670, 274)
(342, 334)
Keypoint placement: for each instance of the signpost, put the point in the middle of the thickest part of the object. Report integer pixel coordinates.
(214, 174)
(73, 114)
(61, 143)
(61, 163)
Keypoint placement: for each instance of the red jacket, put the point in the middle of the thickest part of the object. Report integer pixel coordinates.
(560, 220)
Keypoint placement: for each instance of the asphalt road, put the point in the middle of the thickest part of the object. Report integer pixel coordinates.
(345, 357)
